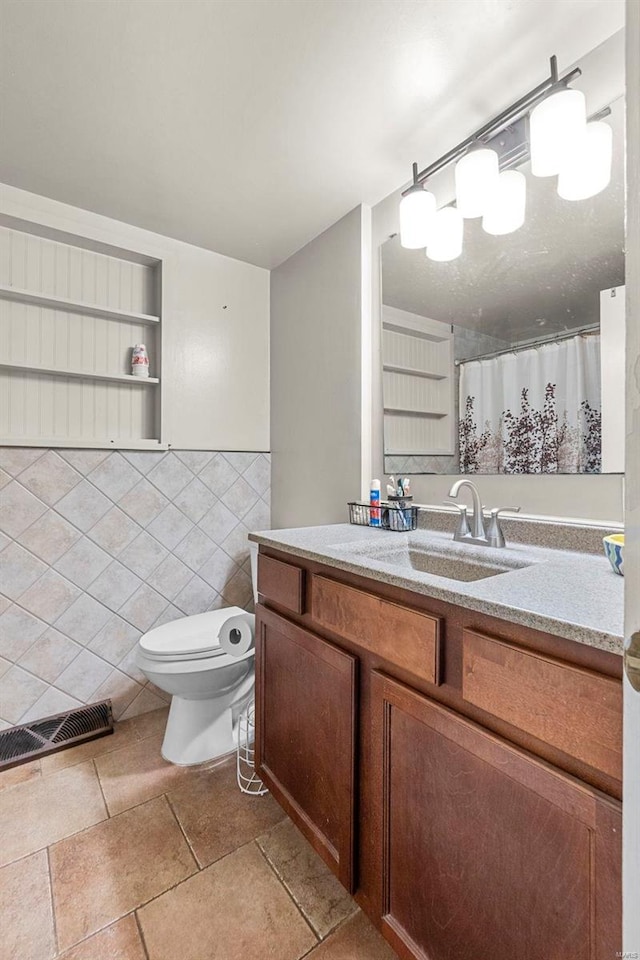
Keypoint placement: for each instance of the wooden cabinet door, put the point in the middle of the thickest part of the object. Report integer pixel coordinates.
(485, 851)
(306, 735)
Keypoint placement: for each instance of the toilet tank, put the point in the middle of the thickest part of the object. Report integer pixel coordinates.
(253, 553)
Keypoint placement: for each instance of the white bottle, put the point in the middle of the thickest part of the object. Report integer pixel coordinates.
(139, 361)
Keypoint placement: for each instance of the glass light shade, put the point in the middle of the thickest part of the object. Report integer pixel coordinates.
(445, 241)
(506, 210)
(554, 125)
(476, 176)
(417, 210)
(587, 168)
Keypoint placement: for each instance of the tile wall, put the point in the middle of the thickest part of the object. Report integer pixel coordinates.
(97, 547)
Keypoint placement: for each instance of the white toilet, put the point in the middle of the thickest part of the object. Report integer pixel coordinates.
(209, 687)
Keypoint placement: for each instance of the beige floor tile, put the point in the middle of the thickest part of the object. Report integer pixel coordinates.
(136, 773)
(86, 751)
(42, 811)
(120, 941)
(26, 931)
(149, 724)
(236, 909)
(357, 939)
(104, 873)
(216, 817)
(21, 774)
(323, 900)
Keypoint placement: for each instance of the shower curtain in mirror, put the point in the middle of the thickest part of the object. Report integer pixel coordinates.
(535, 410)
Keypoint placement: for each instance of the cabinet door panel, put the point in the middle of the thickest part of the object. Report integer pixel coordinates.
(306, 728)
(485, 851)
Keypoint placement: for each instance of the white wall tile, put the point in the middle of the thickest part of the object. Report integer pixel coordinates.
(114, 476)
(144, 607)
(114, 531)
(50, 655)
(18, 509)
(132, 542)
(18, 570)
(170, 527)
(84, 506)
(196, 460)
(19, 690)
(50, 478)
(143, 503)
(50, 596)
(170, 476)
(114, 586)
(83, 676)
(195, 500)
(83, 563)
(50, 537)
(143, 555)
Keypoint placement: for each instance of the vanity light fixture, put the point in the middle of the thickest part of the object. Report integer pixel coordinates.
(445, 240)
(549, 126)
(554, 126)
(417, 209)
(476, 177)
(506, 210)
(587, 167)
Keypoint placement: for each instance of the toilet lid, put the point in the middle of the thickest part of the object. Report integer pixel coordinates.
(189, 636)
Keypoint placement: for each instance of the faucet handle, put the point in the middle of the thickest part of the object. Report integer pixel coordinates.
(463, 523)
(496, 511)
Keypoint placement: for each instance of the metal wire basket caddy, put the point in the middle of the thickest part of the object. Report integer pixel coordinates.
(399, 516)
(248, 780)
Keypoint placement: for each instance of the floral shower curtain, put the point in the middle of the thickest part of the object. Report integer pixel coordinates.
(536, 410)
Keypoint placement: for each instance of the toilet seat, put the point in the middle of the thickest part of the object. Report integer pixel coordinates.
(191, 638)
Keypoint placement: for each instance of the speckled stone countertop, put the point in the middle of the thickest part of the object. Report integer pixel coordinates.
(568, 594)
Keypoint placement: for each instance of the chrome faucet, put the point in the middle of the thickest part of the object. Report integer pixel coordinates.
(485, 530)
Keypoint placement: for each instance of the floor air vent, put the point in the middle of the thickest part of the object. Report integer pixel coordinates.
(33, 740)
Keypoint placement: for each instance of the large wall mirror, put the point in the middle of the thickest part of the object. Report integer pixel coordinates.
(510, 359)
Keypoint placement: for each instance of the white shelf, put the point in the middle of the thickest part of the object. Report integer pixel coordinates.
(411, 412)
(413, 372)
(79, 374)
(74, 306)
(83, 443)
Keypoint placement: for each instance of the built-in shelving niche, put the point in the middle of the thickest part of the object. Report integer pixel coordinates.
(71, 309)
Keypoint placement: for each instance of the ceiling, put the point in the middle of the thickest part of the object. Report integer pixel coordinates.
(543, 279)
(249, 126)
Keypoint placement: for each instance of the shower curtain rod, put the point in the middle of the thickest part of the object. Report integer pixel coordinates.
(533, 344)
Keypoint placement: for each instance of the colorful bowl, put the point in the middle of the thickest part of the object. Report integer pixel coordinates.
(614, 549)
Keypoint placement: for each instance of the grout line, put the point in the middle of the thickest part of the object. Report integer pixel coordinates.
(182, 831)
(53, 910)
(288, 892)
(140, 933)
(104, 799)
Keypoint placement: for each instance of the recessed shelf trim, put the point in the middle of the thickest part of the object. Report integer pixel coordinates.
(79, 374)
(74, 306)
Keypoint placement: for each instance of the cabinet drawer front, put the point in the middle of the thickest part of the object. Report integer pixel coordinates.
(572, 709)
(405, 637)
(281, 582)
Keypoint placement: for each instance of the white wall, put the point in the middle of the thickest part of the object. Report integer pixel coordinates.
(215, 391)
(631, 827)
(317, 435)
(584, 497)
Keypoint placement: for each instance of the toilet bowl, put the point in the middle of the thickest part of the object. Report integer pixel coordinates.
(209, 688)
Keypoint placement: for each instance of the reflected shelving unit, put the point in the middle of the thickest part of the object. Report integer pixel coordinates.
(418, 384)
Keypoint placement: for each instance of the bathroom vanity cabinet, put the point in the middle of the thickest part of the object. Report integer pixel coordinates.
(460, 774)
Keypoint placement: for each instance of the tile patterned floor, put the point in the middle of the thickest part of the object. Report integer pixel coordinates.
(109, 853)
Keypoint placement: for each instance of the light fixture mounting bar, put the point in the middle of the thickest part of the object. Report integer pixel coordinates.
(494, 126)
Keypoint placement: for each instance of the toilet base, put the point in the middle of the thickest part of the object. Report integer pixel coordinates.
(198, 730)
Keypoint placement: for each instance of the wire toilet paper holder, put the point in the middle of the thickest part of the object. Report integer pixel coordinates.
(248, 780)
